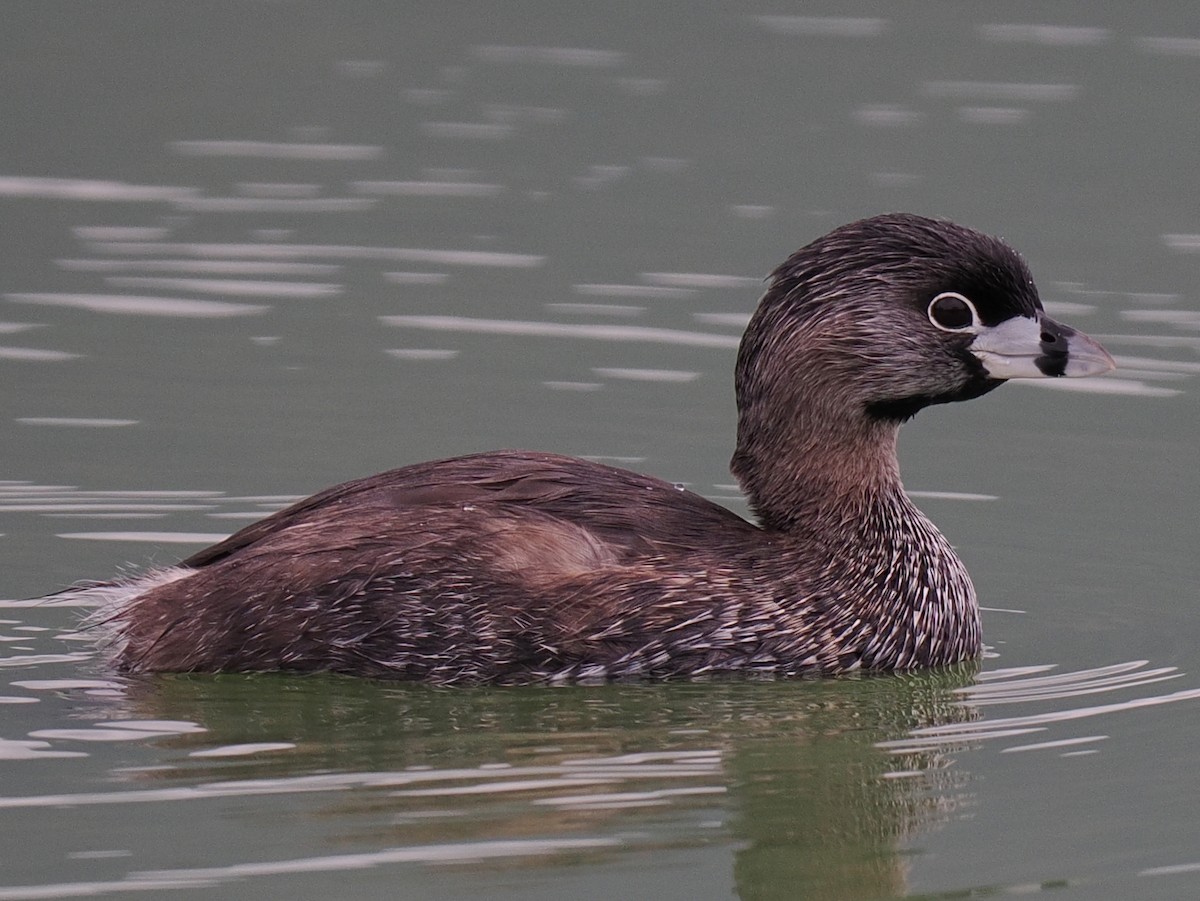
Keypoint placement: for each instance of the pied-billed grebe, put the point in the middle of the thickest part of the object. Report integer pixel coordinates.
(520, 567)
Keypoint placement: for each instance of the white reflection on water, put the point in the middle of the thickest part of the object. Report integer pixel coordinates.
(129, 305)
(1068, 308)
(600, 176)
(646, 375)
(564, 777)
(1002, 90)
(426, 188)
(35, 354)
(752, 210)
(97, 734)
(11, 749)
(1180, 318)
(278, 189)
(475, 131)
(1151, 340)
(665, 165)
(1170, 46)
(89, 189)
(573, 386)
(422, 353)
(238, 514)
(16, 488)
(523, 112)
(1048, 35)
(887, 115)
(562, 330)
(952, 495)
(267, 500)
(206, 877)
(734, 320)
(584, 57)
(362, 68)
(1158, 297)
(22, 660)
(240, 287)
(278, 150)
(993, 115)
(1184, 242)
(619, 800)
(1152, 364)
(1153, 374)
(1054, 745)
(120, 233)
(701, 280)
(246, 749)
(643, 87)
(1107, 385)
(825, 26)
(1028, 685)
(332, 251)
(654, 292)
(154, 537)
(97, 507)
(74, 421)
(417, 278)
(275, 204)
(596, 309)
(201, 267)
(66, 684)
(61, 501)
(427, 96)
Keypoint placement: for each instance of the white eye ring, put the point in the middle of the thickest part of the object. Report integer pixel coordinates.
(954, 314)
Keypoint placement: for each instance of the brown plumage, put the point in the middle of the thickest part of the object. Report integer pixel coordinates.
(517, 566)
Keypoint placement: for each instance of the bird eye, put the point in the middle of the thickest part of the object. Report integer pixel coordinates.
(952, 312)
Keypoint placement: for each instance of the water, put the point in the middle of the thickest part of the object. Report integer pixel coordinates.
(250, 251)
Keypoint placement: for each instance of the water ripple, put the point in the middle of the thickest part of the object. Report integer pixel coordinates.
(1031, 685)
(201, 267)
(825, 26)
(583, 57)
(151, 537)
(560, 779)
(1002, 90)
(131, 305)
(278, 150)
(89, 189)
(459, 852)
(75, 422)
(1107, 385)
(332, 251)
(239, 287)
(1048, 35)
(477, 131)
(646, 375)
(426, 188)
(36, 354)
(1170, 46)
(275, 204)
(702, 280)
(562, 330)
(1066, 685)
(654, 292)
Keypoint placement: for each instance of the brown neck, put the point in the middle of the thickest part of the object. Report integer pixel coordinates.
(818, 467)
(833, 489)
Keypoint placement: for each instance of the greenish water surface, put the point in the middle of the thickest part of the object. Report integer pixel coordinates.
(251, 250)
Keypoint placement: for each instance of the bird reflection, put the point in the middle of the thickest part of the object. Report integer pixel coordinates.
(785, 777)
